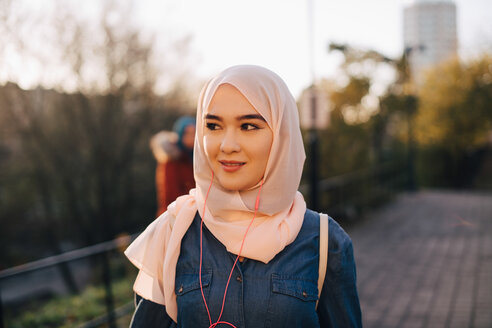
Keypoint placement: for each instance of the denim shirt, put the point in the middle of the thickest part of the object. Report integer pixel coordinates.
(282, 293)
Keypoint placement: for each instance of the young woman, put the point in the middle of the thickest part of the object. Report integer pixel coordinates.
(242, 250)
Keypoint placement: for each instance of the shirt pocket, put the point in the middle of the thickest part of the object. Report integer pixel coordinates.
(292, 302)
(191, 310)
(302, 289)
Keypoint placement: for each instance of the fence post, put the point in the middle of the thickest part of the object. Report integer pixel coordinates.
(1, 308)
(109, 291)
(313, 144)
(313, 183)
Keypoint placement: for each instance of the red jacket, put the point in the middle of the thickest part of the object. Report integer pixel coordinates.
(173, 179)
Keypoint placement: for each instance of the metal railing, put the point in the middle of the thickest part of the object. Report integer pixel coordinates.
(347, 196)
(102, 250)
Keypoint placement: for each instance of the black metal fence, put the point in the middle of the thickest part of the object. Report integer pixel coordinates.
(345, 197)
(102, 256)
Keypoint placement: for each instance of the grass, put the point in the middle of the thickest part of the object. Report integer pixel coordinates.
(72, 311)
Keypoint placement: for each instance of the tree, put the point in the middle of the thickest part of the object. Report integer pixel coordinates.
(78, 165)
(455, 117)
(361, 117)
(344, 146)
(455, 111)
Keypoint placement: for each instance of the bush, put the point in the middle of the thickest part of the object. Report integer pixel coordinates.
(71, 311)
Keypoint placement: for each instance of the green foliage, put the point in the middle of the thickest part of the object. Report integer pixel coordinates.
(358, 136)
(437, 174)
(456, 101)
(343, 148)
(75, 310)
(352, 93)
(447, 123)
(454, 121)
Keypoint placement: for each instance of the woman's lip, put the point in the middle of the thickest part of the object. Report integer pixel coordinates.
(231, 166)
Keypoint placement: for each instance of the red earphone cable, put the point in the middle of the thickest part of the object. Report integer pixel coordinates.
(257, 203)
(201, 235)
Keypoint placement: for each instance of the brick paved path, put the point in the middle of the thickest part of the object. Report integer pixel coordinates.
(425, 260)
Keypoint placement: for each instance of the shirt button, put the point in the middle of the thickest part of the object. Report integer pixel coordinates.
(180, 289)
(304, 294)
(239, 279)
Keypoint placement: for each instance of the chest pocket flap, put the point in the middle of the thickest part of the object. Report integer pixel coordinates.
(305, 290)
(188, 281)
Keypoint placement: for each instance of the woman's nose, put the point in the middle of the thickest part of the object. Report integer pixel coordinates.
(229, 143)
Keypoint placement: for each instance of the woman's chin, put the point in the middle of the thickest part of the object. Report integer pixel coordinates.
(229, 187)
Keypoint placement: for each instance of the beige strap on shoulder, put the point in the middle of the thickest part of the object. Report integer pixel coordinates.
(323, 251)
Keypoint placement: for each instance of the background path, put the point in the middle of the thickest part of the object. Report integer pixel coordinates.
(425, 260)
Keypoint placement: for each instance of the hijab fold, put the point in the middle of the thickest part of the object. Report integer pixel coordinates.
(228, 213)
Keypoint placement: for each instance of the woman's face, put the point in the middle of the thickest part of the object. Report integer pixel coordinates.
(237, 139)
(189, 136)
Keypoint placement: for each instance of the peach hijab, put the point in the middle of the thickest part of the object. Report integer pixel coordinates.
(227, 213)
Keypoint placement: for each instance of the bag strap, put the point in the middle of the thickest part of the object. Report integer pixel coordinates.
(323, 251)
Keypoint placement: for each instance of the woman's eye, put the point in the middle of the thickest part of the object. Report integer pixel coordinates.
(248, 126)
(212, 126)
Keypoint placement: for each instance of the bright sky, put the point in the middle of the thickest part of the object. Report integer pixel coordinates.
(274, 33)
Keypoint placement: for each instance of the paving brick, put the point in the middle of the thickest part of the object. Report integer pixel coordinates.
(425, 260)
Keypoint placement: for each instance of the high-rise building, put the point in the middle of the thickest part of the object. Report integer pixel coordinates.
(429, 34)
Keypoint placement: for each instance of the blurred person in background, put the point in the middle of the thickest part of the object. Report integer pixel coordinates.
(173, 151)
(242, 249)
